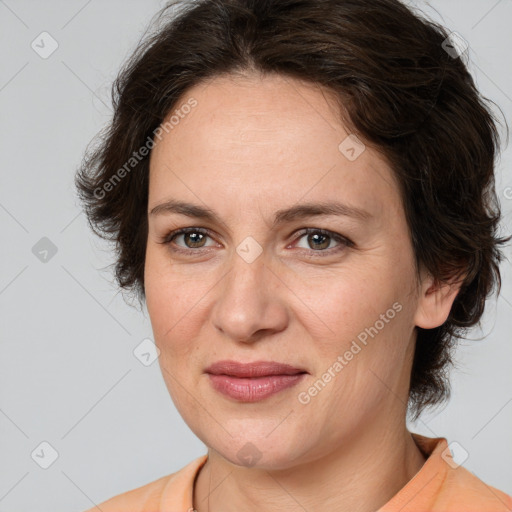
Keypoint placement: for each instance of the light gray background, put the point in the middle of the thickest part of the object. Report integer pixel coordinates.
(68, 374)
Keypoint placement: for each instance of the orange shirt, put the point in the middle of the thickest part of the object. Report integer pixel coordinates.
(437, 487)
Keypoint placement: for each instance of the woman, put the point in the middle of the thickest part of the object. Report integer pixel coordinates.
(302, 192)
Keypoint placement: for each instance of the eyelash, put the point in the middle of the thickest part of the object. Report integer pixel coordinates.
(169, 238)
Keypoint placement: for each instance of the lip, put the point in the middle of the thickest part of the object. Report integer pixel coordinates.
(251, 382)
(252, 369)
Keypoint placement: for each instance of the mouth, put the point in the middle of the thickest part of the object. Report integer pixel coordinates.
(251, 382)
(254, 369)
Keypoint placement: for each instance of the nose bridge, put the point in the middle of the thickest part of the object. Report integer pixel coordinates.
(247, 302)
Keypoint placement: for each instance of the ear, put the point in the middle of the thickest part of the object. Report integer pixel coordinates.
(435, 301)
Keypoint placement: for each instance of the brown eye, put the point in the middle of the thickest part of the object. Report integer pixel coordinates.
(193, 238)
(319, 240)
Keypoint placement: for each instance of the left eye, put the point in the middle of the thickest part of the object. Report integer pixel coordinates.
(320, 239)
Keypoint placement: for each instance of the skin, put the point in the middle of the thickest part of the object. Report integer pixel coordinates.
(254, 145)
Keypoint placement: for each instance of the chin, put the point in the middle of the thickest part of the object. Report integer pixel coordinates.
(261, 451)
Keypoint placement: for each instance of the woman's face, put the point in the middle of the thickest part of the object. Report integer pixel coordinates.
(252, 286)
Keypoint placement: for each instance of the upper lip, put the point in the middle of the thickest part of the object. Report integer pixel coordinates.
(254, 369)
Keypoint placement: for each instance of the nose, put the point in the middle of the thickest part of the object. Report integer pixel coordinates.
(250, 302)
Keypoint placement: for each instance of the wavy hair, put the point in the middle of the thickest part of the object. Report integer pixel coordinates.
(399, 89)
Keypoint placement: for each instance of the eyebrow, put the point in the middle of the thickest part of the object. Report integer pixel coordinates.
(298, 212)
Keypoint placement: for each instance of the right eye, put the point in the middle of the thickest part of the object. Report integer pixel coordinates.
(194, 238)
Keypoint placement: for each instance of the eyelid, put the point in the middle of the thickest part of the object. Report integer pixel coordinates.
(332, 234)
(169, 237)
(298, 234)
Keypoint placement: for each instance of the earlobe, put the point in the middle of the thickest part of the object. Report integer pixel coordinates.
(435, 302)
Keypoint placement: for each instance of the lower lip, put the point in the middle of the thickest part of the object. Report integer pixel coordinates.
(253, 389)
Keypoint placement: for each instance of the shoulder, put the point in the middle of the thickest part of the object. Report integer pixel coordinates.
(442, 485)
(463, 488)
(175, 488)
(135, 500)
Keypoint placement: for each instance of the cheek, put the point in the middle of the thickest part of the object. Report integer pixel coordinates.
(342, 303)
(360, 316)
(172, 303)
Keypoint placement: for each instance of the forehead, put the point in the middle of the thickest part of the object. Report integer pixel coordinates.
(272, 137)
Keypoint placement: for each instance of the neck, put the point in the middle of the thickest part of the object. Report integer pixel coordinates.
(360, 476)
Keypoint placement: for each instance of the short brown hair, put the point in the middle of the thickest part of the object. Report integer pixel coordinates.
(399, 90)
